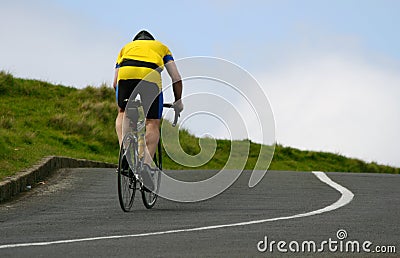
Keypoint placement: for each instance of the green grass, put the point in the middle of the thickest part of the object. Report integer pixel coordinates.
(287, 158)
(39, 119)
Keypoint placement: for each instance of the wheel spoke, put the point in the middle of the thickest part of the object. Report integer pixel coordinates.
(126, 181)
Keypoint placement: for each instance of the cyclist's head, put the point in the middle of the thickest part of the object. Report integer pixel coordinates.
(143, 35)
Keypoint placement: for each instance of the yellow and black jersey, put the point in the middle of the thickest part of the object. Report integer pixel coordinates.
(144, 60)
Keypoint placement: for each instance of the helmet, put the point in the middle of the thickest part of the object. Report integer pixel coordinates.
(143, 35)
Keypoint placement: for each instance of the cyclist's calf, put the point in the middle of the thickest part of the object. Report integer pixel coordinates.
(152, 138)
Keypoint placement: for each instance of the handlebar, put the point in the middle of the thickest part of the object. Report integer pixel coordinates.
(177, 113)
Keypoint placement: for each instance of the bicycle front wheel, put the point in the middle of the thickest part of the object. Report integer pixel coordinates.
(126, 179)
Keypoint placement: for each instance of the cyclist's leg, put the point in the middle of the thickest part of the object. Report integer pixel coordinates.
(152, 138)
(124, 90)
(118, 120)
(118, 124)
(152, 100)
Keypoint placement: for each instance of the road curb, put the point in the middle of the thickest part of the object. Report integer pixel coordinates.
(22, 181)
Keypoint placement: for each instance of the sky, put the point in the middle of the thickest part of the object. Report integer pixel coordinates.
(330, 69)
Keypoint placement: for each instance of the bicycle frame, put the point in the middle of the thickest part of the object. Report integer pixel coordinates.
(130, 151)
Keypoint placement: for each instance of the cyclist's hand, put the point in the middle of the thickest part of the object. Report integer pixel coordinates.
(178, 106)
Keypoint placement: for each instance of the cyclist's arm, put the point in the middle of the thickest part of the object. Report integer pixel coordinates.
(115, 78)
(176, 83)
(117, 65)
(176, 79)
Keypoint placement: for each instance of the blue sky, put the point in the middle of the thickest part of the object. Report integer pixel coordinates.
(202, 26)
(331, 69)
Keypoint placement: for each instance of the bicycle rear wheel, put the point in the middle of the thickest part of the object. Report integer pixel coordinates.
(150, 197)
(126, 179)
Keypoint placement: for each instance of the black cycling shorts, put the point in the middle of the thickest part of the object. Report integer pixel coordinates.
(150, 95)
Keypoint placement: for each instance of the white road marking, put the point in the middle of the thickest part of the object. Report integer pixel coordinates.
(346, 198)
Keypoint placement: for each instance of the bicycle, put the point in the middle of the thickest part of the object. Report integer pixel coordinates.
(130, 163)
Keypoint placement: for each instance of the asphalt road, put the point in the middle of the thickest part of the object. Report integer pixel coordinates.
(80, 209)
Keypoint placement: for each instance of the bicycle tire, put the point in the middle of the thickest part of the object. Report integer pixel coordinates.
(150, 197)
(126, 179)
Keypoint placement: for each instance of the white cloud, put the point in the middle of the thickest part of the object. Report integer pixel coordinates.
(337, 102)
(322, 100)
(329, 98)
(40, 40)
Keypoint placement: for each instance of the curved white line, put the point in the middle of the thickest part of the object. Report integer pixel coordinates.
(346, 198)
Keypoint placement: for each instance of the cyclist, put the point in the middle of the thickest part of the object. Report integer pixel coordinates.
(138, 71)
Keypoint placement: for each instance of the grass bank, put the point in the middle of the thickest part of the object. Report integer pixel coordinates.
(39, 119)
